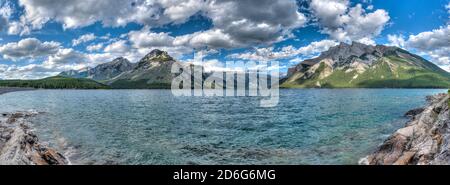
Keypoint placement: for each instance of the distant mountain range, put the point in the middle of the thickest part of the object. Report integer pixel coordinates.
(151, 72)
(102, 72)
(353, 65)
(359, 65)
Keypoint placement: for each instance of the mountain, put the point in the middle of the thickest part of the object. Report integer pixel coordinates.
(152, 71)
(111, 69)
(102, 72)
(57, 82)
(360, 65)
(83, 73)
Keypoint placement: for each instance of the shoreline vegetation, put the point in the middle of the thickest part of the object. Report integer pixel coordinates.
(62, 82)
(56, 82)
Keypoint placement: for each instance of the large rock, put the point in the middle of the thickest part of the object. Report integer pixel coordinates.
(425, 140)
(20, 146)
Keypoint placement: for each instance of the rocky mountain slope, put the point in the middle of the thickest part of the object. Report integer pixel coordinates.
(102, 72)
(425, 140)
(152, 71)
(360, 65)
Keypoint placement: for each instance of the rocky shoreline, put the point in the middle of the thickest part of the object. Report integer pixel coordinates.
(425, 140)
(20, 146)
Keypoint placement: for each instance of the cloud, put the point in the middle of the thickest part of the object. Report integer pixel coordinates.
(3, 23)
(330, 12)
(267, 54)
(120, 46)
(76, 14)
(434, 43)
(146, 38)
(249, 22)
(31, 71)
(211, 39)
(243, 22)
(50, 59)
(214, 65)
(12, 27)
(345, 23)
(18, 28)
(260, 54)
(367, 41)
(448, 7)
(94, 47)
(64, 59)
(179, 10)
(431, 40)
(83, 38)
(29, 48)
(143, 41)
(396, 40)
(235, 24)
(65, 56)
(5, 13)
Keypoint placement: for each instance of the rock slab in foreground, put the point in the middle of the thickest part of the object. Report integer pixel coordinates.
(425, 140)
(20, 146)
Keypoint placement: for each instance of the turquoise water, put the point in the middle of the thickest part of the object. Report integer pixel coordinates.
(309, 126)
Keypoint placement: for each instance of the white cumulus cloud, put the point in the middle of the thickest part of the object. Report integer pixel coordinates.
(267, 54)
(28, 48)
(146, 38)
(95, 47)
(434, 43)
(83, 38)
(345, 23)
(396, 40)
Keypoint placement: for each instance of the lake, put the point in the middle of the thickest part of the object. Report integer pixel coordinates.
(309, 126)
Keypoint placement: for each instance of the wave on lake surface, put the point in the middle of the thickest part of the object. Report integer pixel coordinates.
(309, 126)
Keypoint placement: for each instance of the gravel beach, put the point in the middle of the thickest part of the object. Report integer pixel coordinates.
(4, 90)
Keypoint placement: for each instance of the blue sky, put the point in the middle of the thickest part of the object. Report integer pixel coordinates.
(43, 38)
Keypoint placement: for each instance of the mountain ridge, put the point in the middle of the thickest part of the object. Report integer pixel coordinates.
(103, 71)
(345, 65)
(358, 65)
(153, 71)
